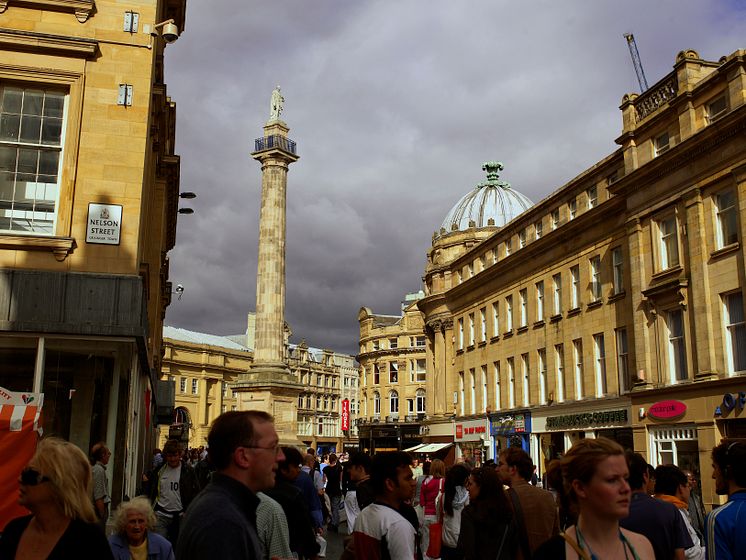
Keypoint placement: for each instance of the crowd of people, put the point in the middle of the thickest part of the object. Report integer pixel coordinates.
(247, 497)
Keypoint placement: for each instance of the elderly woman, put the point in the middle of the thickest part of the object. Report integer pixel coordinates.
(56, 488)
(595, 475)
(131, 539)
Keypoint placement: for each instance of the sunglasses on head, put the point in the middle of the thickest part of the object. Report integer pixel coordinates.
(32, 477)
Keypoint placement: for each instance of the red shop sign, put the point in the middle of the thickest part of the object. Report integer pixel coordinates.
(665, 410)
(459, 431)
(345, 415)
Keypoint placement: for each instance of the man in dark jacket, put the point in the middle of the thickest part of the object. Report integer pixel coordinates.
(291, 499)
(171, 488)
(221, 521)
(333, 474)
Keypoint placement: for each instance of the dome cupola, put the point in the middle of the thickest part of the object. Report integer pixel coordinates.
(490, 203)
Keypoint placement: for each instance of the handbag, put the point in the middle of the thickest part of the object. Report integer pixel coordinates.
(436, 529)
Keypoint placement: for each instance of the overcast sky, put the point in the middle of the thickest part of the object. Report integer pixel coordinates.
(394, 105)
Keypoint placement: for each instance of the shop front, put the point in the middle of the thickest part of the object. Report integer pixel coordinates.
(375, 437)
(472, 438)
(555, 434)
(680, 425)
(510, 430)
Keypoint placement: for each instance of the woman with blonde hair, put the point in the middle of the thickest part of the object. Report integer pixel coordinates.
(431, 488)
(56, 488)
(132, 538)
(595, 474)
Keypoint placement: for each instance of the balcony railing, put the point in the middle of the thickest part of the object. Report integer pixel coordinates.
(275, 142)
(661, 93)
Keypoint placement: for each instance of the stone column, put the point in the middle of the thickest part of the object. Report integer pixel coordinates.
(270, 279)
(269, 384)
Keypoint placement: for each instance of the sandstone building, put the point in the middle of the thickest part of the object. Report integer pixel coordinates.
(205, 368)
(89, 190)
(614, 306)
(393, 373)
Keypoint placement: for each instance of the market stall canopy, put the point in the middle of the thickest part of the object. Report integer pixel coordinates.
(433, 447)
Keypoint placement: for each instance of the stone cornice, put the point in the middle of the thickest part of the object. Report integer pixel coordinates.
(60, 246)
(535, 251)
(82, 8)
(704, 141)
(14, 40)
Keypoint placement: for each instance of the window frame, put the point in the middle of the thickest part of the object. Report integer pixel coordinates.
(622, 360)
(599, 349)
(729, 326)
(596, 283)
(617, 265)
(677, 352)
(668, 251)
(73, 84)
(721, 222)
(575, 282)
(557, 293)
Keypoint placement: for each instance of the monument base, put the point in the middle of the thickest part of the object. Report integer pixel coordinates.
(272, 389)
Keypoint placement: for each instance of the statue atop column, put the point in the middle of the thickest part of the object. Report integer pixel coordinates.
(275, 104)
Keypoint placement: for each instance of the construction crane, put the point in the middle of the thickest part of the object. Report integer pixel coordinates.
(636, 61)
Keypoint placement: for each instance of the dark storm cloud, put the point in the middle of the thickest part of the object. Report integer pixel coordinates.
(394, 105)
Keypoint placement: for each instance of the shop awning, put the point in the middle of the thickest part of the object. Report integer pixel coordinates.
(433, 447)
(415, 448)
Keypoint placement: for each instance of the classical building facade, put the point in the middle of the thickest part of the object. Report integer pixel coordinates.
(612, 307)
(89, 189)
(393, 375)
(205, 368)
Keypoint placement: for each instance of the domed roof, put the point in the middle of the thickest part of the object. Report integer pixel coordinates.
(492, 199)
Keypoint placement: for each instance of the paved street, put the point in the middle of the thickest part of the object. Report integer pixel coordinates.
(334, 542)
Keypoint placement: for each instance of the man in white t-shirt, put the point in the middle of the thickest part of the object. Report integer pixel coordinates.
(173, 486)
(381, 529)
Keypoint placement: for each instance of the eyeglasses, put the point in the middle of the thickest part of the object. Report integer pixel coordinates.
(274, 448)
(32, 477)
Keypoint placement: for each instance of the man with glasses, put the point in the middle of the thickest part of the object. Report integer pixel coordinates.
(221, 521)
(171, 489)
(725, 532)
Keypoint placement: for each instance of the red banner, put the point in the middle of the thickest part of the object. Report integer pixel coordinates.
(345, 415)
(20, 427)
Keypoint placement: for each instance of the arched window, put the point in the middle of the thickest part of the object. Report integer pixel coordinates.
(420, 401)
(376, 403)
(394, 402)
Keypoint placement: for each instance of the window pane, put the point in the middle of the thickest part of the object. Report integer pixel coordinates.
(54, 104)
(51, 132)
(48, 164)
(9, 127)
(32, 102)
(11, 100)
(7, 158)
(30, 129)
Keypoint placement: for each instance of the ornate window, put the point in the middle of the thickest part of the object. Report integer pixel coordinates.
(394, 403)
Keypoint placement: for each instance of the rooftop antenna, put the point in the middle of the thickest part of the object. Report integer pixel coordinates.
(634, 53)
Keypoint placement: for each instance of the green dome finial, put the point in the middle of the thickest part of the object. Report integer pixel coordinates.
(493, 178)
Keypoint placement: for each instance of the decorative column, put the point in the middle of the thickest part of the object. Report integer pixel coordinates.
(269, 384)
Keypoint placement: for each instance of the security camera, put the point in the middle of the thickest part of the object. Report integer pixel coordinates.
(179, 289)
(170, 32)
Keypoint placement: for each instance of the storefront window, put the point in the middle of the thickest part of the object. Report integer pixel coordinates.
(675, 446)
(17, 362)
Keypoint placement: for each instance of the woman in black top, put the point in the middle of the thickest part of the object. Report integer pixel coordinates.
(487, 529)
(56, 488)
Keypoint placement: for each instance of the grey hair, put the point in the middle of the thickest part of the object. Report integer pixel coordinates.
(141, 505)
